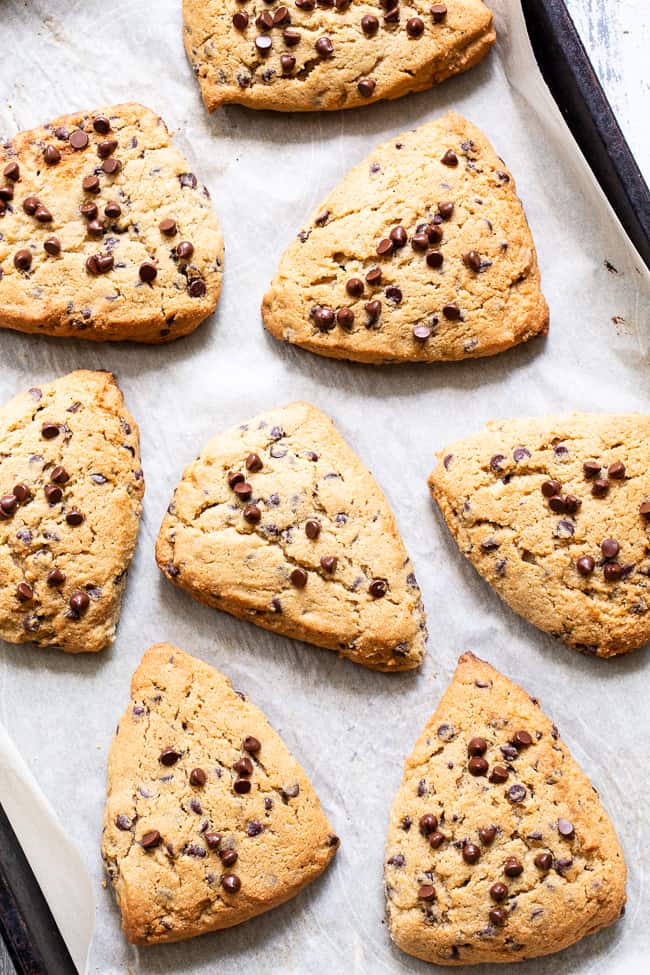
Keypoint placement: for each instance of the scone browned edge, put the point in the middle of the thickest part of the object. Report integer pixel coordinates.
(563, 920)
(117, 305)
(376, 646)
(286, 313)
(188, 913)
(204, 24)
(94, 628)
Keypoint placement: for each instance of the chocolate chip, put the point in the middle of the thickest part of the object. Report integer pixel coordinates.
(264, 21)
(446, 210)
(91, 184)
(287, 62)
(185, 250)
(281, 16)
(113, 210)
(74, 517)
(610, 548)
(8, 505)
(251, 745)
(228, 857)
(438, 12)
(88, 210)
(213, 840)
(12, 171)
(252, 514)
(378, 588)
(106, 148)
(451, 312)
(231, 883)
(616, 470)
(421, 333)
(123, 822)
(435, 260)
(51, 155)
(240, 20)
(427, 892)
(436, 839)
(312, 529)
(428, 824)
(591, 468)
(600, 487)
(23, 260)
(22, 491)
(498, 892)
(366, 87)
(499, 774)
(472, 260)
(152, 838)
(544, 861)
(323, 317)
(522, 739)
(242, 489)
(374, 275)
(99, 263)
(52, 246)
(487, 834)
(111, 166)
(585, 565)
(169, 756)
(471, 853)
(6, 193)
(450, 158)
(477, 746)
(571, 504)
(78, 139)
(565, 828)
(291, 38)
(373, 310)
(345, 317)
(101, 124)
(369, 25)
(59, 475)
(612, 571)
(394, 294)
(241, 786)
(516, 793)
(414, 27)
(419, 242)
(644, 509)
(477, 766)
(53, 493)
(324, 47)
(299, 578)
(398, 237)
(497, 917)
(198, 777)
(354, 287)
(43, 215)
(244, 766)
(50, 430)
(328, 563)
(30, 205)
(148, 272)
(392, 13)
(434, 233)
(96, 228)
(385, 246)
(512, 867)
(55, 578)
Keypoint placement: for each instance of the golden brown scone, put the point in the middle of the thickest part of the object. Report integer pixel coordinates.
(498, 847)
(71, 490)
(555, 513)
(104, 231)
(421, 254)
(278, 522)
(209, 819)
(319, 55)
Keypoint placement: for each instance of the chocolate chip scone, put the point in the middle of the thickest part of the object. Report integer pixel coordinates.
(104, 231)
(555, 513)
(498, 848)
(209, 819)
(422, 253)
(71, 492)
(278, 522)
(329, 54)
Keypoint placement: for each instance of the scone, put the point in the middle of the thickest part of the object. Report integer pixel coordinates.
(329, 54)
(209, 819)
(498, 847)
(104, 231)
(71, 492)
(555, 513)
(278, 522)
(421, 254)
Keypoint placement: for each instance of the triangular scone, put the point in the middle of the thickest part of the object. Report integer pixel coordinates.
(555, 513)
(278, 522)
(498, 848)
(321, 54)
(71, 491)
(209, 819)
(422, 253)
(104, 231)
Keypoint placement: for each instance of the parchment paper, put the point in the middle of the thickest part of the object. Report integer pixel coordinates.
(350, 728)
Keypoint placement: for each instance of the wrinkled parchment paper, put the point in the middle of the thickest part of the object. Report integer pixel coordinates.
(350, 728)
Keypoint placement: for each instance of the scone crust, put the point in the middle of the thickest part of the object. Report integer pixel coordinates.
(98, 450)
(229, 68)
(174, 891)
(488, 488)
(402, 183)
(207, 547)
(58, 295)
(545, 909)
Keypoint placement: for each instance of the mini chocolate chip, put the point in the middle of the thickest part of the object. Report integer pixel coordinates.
(345, 317)
(78, 139)
(299, 578)
(438, 12)
(421, 333)
(91, 184)
(428, 824)
(240, 20)
(544, 861)
(477, 746)
(435, 260)
(113, 210)
(427, 892)
(378, 588)
(610, 548)
(600, 487)
(398, 237)
(585, 565)
(152, 838)
(414, 27)
(436, 839)
(512, 867)
(612, 572)
(101, 124)
(328, 563)
(213, 840)
(30, 205)
(111, 166)
(148, 272)
(497, 916)
(565, 828)
(198, 777)
(243, 490)
(251, 745)
(487, 834)
(59, 475)
(22, 260)
(366, 87)
(52, 246)
(51, 155)
(106, 148)
(521, 739)
(374, 275)
(616, 470)
(472, 260)
(185, 250)
(385, 246)
(252, 514)
(231, 883)
(53, 493)
(477, 766)
(373, 310)
(241, 786)
(450, 158)
(12, 171)
(451, 312)
(498, 892)
(324, 47)
(369, 25)
(354, 287)
(312, 529)
(471, 853)
(499, 774)
(74, 517)
(244, 766)
(169, 756)
(324, 317)
(446, 210)
(22, 491)
(24, 593)
(55, 578)
(8, 505)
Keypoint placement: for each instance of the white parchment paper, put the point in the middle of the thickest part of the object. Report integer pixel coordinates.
(350, 728)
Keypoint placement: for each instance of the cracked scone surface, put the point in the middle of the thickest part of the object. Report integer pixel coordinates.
(319, 55)
(179, 825)
(515, 856)
(71, 490)
(303, 542)
(93, 208)
(421, 253)
(554, 513)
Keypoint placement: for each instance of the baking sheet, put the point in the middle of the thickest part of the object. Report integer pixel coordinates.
(350, 728)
